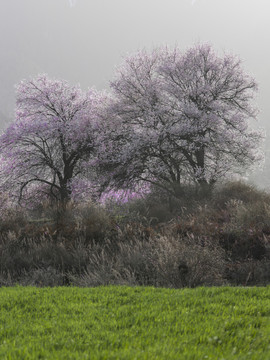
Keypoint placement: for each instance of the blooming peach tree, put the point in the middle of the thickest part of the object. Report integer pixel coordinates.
(51, 145)
(180, 117)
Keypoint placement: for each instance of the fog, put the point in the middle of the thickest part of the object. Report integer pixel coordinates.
(83, 40)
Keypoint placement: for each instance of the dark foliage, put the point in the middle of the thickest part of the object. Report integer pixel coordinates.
(222, 238)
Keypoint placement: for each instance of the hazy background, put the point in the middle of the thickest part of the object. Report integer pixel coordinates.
(82, 41)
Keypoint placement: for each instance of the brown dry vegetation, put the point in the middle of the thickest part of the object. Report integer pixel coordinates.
(198, 239)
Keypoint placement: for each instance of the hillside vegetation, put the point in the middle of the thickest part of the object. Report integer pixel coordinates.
(216, 238)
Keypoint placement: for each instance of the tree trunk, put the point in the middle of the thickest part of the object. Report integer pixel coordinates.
(65, 192)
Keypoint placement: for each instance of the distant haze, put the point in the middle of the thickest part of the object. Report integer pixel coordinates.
(83, 40)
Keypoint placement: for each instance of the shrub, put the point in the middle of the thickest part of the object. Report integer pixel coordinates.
(89, 245)
(158, 261)
(12, 219)
(239, 191)
(242, 236)
(249, 272)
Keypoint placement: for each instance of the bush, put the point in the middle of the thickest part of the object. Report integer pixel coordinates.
(160, 260)
(243, 235)
(248, 272)
(213, 241)
(238, 191)
(12, 219)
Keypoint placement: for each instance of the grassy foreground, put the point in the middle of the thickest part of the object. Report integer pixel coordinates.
(134, 323)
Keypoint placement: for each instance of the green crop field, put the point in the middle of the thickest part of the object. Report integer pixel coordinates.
(134, 323)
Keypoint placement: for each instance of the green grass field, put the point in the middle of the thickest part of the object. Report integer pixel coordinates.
(134, 323)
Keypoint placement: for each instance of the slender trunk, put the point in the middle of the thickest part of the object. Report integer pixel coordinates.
(65, 191)
(205, 188)
(65, 194)
(200, 160)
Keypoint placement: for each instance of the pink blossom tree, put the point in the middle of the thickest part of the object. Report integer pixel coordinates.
(181, 117)
(52, 142)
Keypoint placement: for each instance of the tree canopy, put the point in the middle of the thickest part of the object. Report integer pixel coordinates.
(172, 118)
(182, 117)
(51, 144)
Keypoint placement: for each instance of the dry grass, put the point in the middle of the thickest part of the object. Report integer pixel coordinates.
(223, 239)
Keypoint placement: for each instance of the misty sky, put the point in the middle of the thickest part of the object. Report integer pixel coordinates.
(82, 41)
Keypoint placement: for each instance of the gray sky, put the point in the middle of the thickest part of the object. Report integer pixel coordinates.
(83, 40)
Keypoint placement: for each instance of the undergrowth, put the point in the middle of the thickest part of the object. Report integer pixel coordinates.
(221, 238)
